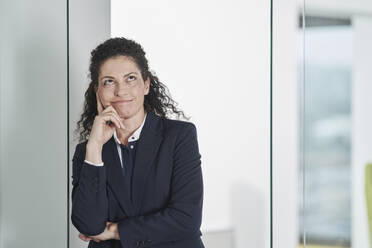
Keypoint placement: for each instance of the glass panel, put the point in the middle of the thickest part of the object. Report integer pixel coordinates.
(33, 124)
(336, 124)
(82, 40)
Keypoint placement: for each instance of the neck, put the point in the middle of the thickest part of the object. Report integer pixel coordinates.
(131, 125)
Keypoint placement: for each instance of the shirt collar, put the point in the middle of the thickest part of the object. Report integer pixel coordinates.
(135, 136)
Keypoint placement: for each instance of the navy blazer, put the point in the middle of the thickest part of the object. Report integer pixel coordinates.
(167, 189)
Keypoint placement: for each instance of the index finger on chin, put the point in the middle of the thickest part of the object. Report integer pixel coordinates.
(99, 104)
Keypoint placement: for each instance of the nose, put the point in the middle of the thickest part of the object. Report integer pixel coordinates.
(121, 88)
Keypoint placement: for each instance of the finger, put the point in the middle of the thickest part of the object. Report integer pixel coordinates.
(117, 118)
(95, 239)
(81, 237)
(120, 123)
(110, 117)
(84, 238)
(111, 108)
(91, 238)
(100, 107)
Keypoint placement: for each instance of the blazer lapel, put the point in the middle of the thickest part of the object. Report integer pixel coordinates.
(146, 152)
(115, 177)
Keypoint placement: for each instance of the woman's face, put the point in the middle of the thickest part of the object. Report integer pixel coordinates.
(120, 84)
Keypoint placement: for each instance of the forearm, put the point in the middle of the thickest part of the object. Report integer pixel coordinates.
(181, 218)
(89, 198)
(93, 152)
(169, 224)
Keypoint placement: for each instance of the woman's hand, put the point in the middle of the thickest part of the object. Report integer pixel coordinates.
(110, 232)
(87, 238)
(101, 132)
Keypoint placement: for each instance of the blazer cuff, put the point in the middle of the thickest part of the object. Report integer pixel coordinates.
(88, 162)
(129, 237)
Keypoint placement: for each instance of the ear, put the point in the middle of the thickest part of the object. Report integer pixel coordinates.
(147, 85)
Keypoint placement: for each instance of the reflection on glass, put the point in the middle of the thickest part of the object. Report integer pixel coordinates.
(335, 144)
(327, 134)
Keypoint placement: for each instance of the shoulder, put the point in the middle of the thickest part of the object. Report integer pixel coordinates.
(177, 127)
(80, 150)
(183, 136)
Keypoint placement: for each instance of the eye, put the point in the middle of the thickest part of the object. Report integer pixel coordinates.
(133, 78)
(108, 82)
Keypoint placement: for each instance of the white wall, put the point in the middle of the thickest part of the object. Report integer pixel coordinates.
(89, 26)
(215, 58)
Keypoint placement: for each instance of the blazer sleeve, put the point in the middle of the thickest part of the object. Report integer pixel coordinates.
(182, 216)
(89, 211)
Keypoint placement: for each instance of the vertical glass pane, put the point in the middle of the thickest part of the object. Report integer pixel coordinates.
(33, 124)
(82, 40)
(336, 124)
(327, 134)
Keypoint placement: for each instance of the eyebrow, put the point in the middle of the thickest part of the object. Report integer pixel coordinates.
(113, 77)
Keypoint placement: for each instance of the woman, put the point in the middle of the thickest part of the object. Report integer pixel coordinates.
(137, 178)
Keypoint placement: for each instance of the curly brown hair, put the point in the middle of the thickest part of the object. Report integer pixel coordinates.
(157, 100)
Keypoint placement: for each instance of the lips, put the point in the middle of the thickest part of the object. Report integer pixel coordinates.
(124, 101)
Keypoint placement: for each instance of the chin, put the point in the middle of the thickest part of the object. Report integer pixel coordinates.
(123, 114)
(126, 114)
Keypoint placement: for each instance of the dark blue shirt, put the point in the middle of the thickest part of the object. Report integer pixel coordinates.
(128, 154)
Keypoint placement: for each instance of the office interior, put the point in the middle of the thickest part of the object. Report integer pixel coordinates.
(279, 92)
